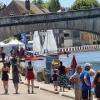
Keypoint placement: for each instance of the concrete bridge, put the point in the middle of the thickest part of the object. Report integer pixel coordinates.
(83, 20)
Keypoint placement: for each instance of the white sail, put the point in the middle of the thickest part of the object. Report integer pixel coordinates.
(36, 42)
(50, 42)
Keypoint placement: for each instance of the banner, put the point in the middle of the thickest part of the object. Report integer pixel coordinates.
(23, 38)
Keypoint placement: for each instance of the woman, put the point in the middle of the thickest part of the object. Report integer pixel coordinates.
(62, 77)
(96, 85)
(29, 74)
(5, 77)
(15, 75)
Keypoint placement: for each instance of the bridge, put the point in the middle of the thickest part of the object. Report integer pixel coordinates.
(83, 20)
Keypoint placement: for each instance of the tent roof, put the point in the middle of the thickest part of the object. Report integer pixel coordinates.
(2, 44)
(15, 42)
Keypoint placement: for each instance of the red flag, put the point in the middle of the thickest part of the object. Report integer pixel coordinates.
(74, 62)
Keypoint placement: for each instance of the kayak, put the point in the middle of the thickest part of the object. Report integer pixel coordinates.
(27, 57)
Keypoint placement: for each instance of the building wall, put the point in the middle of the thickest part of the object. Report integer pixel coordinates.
(68, 43)
(88, 38)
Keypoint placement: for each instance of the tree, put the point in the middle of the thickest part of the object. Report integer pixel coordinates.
(1, 5)
(34, 2)
(46, 5)
(38, 2)
(54, 5)
(84, 4)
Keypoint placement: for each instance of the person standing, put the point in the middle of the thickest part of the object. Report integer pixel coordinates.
(3, 54)
(15, 73)
(86, 83)
(5, 78)
(92, 75)
(75, 79)
(62, 77)
(7, 60)
(96, 84)
(30, 76)
(55, 80)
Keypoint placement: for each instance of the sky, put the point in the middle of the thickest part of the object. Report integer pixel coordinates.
(64, 3)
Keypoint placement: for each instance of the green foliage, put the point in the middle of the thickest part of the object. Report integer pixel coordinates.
(1, 5)
(98, 42)
(54, 5)
(84, 4)
(34, 2)
(46, 5)
(38, 2)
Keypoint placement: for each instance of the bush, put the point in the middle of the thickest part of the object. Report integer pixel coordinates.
(98, 42)
(40, 76)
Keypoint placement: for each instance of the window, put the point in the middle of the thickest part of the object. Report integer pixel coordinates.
(66, 35)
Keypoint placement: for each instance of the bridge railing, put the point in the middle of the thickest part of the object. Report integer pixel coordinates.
(79, 48)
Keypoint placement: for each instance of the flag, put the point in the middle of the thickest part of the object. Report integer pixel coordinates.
(23, 38)
(73, 62)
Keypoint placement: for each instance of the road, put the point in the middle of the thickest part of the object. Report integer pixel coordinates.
(23, 95)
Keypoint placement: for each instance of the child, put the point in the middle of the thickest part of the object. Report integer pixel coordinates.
(55, 80)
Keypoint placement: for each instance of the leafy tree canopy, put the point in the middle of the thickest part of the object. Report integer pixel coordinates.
(54, 5)
(84, 4)
(38, 2)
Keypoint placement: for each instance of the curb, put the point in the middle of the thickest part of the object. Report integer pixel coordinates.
(51, 91)
(68, 96)
(55, 92)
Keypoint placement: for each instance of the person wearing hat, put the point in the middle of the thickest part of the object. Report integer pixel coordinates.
(85, 82)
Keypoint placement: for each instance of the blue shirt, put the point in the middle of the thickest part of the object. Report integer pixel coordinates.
(84, 86)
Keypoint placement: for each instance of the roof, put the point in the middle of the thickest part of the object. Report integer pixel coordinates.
(18, 8)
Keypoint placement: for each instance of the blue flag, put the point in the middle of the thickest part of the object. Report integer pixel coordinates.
(23, 38)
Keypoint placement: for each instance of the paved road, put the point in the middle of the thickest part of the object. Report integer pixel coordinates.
(23, 95)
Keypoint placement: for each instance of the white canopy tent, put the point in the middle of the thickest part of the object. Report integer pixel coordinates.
(2, 44)
(12, 43)
(15, 42)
